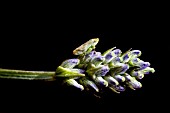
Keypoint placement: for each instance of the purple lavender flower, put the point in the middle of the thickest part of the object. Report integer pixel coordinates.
(125, 67)
(97, 60)
(89, 84)
(70, 63)
(109, 55)
(143, 65)
(125, 57)
(108, 58)
(132, 82)
(137, 74)
(111, 80)
(74, 83)
(147, 70)
(88, 57)
(119, 78)
(134, 61)
(136, 53)
(117, 52)
(114, 62)
(117, 89)
(99, 80)
(120, 68)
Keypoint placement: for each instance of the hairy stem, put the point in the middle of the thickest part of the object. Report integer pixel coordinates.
(27, 75)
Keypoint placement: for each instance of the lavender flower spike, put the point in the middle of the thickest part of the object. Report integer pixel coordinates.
(93, 70)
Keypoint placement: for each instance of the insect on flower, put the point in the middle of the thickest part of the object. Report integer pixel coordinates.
(86, 47)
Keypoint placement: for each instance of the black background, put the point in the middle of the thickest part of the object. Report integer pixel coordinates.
(39, 40)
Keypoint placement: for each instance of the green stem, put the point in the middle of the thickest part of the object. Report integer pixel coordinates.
(27, 75)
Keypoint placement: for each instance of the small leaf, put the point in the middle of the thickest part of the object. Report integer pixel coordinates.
(68, 73)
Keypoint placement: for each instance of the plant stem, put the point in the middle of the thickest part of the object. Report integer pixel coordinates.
(27, 75)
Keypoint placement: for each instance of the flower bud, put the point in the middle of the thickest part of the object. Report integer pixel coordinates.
(120, 68)
(74, 83)
(88, 57)
(97, 60)
(132, 82)
(114, 62)
(119, 78)
(147, 70)
(117, 89)
(102, 71)
(99, 80)
(137, 74)
(125, 57)
(70, 63)
(117, 52)
(111, 80)
(89, 84)
(134, 61)
(139, 63)
(143, 65)
(109, 55)
(135, 53)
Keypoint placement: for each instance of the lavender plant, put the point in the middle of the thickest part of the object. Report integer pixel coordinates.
(92, 70)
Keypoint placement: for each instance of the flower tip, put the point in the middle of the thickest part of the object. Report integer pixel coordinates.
(136, 53)
(140, 76)
(74, 83)
(152, 70)
(101, 81)
(81, 87)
